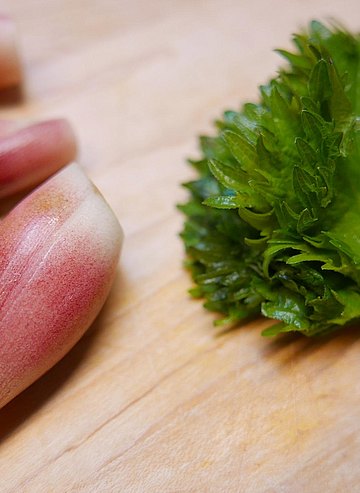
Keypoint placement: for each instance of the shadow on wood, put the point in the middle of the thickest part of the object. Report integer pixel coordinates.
(304, 347)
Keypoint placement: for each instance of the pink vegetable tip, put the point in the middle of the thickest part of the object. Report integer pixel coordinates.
(10, 67)
(59, 250)
(31, 154)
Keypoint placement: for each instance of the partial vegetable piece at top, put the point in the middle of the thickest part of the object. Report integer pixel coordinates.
(29, 155)
(10, 66)
(273, 220)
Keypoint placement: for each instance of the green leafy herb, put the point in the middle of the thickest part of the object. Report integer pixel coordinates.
(273, 219)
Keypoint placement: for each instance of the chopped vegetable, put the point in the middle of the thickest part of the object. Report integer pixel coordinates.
(273, 220)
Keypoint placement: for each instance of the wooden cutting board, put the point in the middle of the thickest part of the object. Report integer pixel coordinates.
(153, 399)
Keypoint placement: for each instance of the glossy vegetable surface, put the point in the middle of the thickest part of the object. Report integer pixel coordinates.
(59, 250)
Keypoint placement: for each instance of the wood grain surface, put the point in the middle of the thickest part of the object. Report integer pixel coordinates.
(153, 399)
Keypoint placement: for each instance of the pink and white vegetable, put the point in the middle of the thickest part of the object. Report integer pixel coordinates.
(59, 249)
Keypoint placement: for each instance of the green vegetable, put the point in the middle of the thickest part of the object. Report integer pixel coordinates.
(273, 219)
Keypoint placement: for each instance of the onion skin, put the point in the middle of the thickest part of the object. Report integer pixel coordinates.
(59, 249)
(31, 154)
(10, 66)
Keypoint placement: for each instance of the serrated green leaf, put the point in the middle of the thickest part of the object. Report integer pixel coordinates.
(229, 176)
(340, 107)
(263, 222)
(272, 223)
(306, 220)
(297, 61)
(306, 152)
(313, 127)
(242, 150)
(288, 308)
(225, 201)
(305, 188)
(309, 104)
(320, 87)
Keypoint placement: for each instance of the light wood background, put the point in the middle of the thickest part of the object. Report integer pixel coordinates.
(152, 399)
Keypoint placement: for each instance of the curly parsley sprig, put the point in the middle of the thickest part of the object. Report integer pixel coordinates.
(273, 219)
